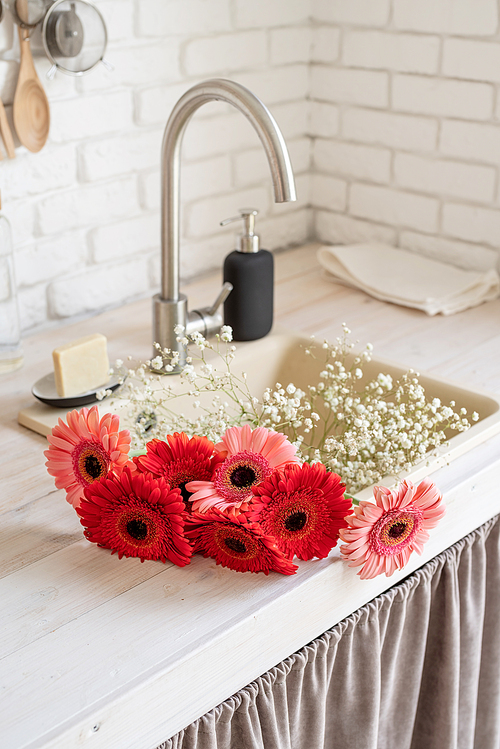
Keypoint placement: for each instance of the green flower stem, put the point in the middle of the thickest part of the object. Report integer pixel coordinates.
(353, 499)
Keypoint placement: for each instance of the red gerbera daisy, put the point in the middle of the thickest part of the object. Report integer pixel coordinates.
(237, 543)
(84, 450)
(180, 460)
(136, 515)
(303, 508)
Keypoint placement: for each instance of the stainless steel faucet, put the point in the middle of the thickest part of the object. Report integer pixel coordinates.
(170, 307)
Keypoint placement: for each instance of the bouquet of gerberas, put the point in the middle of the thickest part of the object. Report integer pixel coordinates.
(248, 501)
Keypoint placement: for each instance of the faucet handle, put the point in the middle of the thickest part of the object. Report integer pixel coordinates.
(208, 320)
(221, 297)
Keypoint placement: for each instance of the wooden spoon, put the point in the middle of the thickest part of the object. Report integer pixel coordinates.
(6, 133)
(31, 107)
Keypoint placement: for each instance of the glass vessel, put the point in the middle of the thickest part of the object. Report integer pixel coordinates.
(11, 353)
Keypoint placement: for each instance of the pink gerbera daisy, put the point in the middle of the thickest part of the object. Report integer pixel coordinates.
(251, 457)
(303, 508)
(237, 543)
(381, 537)
(136, 515)
(84, 450)
(180, 460)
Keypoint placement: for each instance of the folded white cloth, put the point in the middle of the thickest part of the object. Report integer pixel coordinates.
(401, 277)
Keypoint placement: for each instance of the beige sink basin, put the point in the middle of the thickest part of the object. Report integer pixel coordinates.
(280, 358)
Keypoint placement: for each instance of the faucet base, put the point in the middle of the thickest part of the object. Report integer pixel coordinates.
(168, 313)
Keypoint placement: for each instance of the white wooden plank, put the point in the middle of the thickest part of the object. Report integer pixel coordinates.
(47, 594)
(35, 530)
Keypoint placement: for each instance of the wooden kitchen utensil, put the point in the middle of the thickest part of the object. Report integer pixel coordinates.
(6, 134)
(31, 106)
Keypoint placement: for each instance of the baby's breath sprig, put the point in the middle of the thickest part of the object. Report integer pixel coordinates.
(361, 426)
(206, 384)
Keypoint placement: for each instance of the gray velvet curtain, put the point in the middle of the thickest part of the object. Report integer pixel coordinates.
(416, 668)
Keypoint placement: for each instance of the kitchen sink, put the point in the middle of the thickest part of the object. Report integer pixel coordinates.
(280, 358)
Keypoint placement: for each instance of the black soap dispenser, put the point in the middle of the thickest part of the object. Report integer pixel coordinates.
(249, 307)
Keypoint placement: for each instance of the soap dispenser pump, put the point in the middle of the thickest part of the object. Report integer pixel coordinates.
(249, 307)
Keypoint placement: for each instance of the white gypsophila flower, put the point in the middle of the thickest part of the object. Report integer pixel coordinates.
(157, 362)
(226, 333)
(103, 393)
(198, 340)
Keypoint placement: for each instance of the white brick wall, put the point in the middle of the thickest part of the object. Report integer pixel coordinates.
(348, 86)
(466, 17)
(407, 53)
(394, 207)
(85, 211)
(390, 108)
(389, 129)
(467, 181)
(415, 83)
(369, 163)
(362, 12)
(441, 97)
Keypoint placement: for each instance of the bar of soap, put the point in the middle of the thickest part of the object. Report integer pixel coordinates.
(81, 365)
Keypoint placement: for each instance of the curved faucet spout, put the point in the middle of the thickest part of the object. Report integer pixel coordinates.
(217, 89)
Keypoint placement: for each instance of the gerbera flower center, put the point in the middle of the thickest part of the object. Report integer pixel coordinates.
(235, 544)
(235, 477)
(395, 530)
(137, 529)
(243, 477)
(295, 521)
(93, 466)
(90, 462)
(186, 496)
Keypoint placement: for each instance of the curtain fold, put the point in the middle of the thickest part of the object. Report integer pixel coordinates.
(418, 667)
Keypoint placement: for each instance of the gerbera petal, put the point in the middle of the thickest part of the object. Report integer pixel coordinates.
(383, 497)
(391, 565)
(205, 494)
(198, 486)
(372, 567)
(427, 495)
(63, 430)
(372, 512)
(235, 439)
(258, 440)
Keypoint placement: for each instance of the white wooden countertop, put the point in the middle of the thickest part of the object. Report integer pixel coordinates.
(98, 652)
